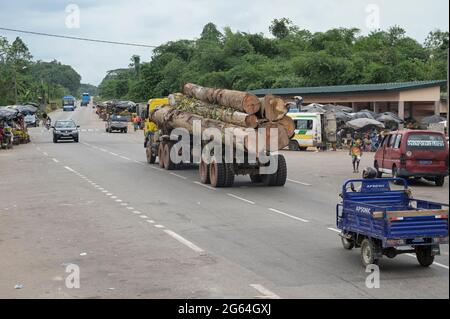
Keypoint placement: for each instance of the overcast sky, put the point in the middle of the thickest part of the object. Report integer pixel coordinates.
(154, 22)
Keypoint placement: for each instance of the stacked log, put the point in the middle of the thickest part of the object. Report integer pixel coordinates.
(228, 109)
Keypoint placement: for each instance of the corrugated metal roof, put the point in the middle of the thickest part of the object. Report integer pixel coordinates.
(358, 88)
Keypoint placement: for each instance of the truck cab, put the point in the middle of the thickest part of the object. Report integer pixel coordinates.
(68, 103)
(149, 126)
(85, 99)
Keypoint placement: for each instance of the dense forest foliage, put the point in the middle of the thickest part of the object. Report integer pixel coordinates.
(25, 80)
(291, 57)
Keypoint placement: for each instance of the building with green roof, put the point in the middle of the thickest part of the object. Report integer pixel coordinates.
(408, 99)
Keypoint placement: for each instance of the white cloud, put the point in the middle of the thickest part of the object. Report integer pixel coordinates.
(155, 22)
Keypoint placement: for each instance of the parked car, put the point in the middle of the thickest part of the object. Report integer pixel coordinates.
(65, 130)
(413, 154)
(31, 120)
(117, 123)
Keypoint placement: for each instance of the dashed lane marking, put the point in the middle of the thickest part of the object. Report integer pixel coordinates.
(334, 229)
(177, 175)
(266, 293)
(240, 198)
(183, 240)
(288, 215)
(55, 160)
(205, 186)
(298, 182)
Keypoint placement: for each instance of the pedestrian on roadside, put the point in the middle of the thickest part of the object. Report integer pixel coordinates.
(356, 152)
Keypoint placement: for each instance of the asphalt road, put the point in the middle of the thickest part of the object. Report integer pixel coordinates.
(136, 231)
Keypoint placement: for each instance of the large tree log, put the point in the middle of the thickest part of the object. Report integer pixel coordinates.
(273, 108)
(168, 117)
(289, 125)
(237, 100)
(213, 111)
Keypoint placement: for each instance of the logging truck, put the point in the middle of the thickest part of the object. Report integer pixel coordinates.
(223, 111)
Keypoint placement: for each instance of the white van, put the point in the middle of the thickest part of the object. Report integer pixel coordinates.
(312, 130)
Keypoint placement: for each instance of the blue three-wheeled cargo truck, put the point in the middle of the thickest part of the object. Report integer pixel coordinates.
(380, 217)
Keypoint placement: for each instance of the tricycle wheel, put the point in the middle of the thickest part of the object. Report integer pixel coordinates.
(424, 256)
(151, 158)
(368, 253)
(348, 244)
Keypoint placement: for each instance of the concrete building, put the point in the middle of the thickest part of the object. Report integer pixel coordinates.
(407, 99)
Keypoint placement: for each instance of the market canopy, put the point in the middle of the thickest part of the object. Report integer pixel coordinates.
(432, 119)
(361, 123)
(387, 117)
(7, 113)
(24, 109)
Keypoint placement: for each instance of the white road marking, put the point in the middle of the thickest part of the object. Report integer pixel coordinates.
(143, 217)
(45, 153)
(240, 198)
(114, 154)
(55, 160)
(435, 263)
(334, 229)
(124, 204)
(150, 221)
(125, 158)
(103, 150)
(266, 292)
(104, 191)
(136, 212)
(159, 226)
(69, 169)
(130, 208)
(118, 200)
(183, 240)
(179, 176)
(108, 194)
(298, 182)
(206, 186)
(288, 215)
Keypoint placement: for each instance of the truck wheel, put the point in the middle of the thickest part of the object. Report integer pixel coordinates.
(280, 176)
(168, 164)
(348, 244)
(256, 178)
(217, 174)
(424, 256)
(368, 253)
(161, 155)
(439, 181)
(229, 175)
(204, 172)
(151, 158)
(293, 146)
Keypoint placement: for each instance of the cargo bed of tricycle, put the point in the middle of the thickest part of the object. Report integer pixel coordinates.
(380, 217)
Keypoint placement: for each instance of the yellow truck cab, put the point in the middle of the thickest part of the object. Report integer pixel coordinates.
(151, 127)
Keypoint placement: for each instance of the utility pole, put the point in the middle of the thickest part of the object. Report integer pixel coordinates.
(448, 84)
(15, 84)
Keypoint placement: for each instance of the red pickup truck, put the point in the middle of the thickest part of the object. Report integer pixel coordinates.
(413, 154)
